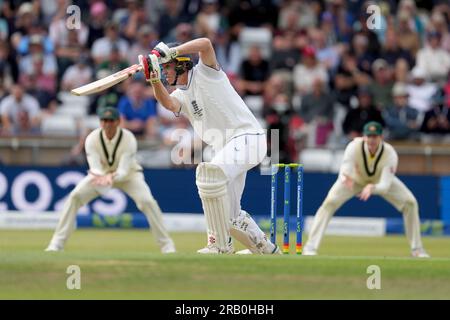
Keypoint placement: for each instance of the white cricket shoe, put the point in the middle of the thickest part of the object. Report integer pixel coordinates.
(169, 247)
(53, 248)
(245, 251)
(309, 252)
(276, 250)
(419, 253)
(211, 248)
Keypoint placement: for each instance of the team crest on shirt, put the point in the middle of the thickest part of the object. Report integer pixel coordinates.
(198, 112)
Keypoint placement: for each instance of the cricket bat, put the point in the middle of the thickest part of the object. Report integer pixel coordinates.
(109, 81)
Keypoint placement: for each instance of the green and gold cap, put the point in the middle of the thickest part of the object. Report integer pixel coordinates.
(108, 113)
(373, 128)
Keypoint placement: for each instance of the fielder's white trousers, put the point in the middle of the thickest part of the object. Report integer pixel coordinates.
(135, 187)
(237, 157)
(398, 195)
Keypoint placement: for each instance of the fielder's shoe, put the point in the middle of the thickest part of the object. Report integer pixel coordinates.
(309, 252)
(419, 253)
(53, 247)
(168, 248)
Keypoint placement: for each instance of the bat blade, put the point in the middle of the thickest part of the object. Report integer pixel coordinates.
(107, 82)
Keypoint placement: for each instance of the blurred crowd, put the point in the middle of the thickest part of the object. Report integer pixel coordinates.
(316, 70)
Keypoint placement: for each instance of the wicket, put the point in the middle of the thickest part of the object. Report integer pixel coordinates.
(286, 205)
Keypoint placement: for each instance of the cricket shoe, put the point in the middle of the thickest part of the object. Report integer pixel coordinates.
(245, 251)
(53, 248)
(169, 247)
(211, 248)
(276, 250)
(309, 252)
(419, 253)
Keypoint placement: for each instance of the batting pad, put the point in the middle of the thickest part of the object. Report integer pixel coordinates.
(212, 189)
(246, 231)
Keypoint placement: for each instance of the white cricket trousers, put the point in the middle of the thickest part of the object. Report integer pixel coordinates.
(237, 157)
(135, 187)
(398, 195)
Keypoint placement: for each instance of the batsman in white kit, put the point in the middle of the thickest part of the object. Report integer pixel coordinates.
(221, 119)
(111, 155)
(368, 168)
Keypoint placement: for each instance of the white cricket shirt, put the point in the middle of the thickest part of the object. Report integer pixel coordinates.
(216, 111)
(115, 155)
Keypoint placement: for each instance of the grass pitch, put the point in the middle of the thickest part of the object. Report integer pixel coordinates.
(118, 264)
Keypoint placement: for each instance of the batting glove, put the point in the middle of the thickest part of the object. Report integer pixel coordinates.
(164, 53)
(151, 68)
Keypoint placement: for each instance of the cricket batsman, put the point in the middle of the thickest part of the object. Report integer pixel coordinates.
(111, 155)
(368, 168)
(221, 119)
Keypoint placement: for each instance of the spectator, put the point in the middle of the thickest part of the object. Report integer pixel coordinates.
(365, 112)
(77, 75)
(348, 78)
(308, 71)
(134, 16)
(391, 52)
(382, 84)
(433, 59)
(97, 20)
(36, 47)
(183, 32)
(8, 65)
(280, 116)
(254, 72)
(228, 54)
(40, 83)
(441, 26)
(436, 123)
(36, 30)
(284, 55)
(317, 110)
(20, 113)
(360, 48)
(408, 39)
(102, 47)
(114, 62)
(147, 38)
(408, 7)
(24, 20)
(209, 20)
(296, 15)
(402, 121)
(420, 91)
(171, 16)
(327, 55)
(138, 111)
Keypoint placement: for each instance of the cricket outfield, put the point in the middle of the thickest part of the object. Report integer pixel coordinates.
(126, 264)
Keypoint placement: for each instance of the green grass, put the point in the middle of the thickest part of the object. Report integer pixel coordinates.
(120, 264)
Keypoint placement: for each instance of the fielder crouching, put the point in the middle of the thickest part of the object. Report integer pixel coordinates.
(111, 155)
(368, 168)
(221, 119)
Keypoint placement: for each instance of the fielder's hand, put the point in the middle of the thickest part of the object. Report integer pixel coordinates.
(164, 53)
(151, 68)
(102, 181)
(366, 192)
